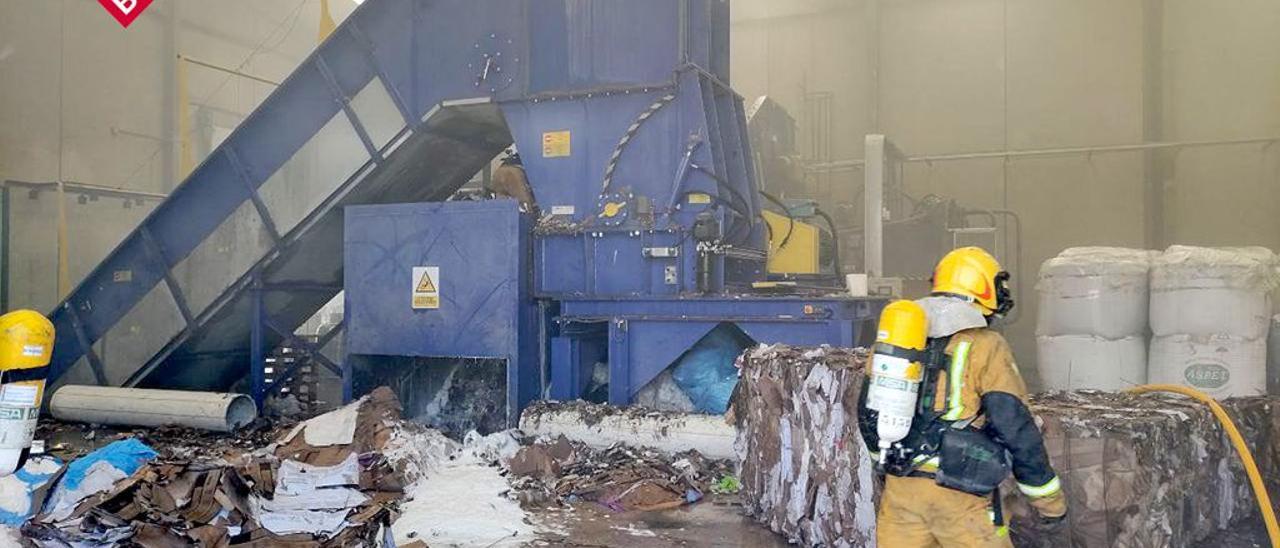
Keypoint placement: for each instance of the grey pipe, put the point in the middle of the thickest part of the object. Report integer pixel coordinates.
(144, 407)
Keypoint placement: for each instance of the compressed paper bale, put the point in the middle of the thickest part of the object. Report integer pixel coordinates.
(804, 470)
(1145, 471)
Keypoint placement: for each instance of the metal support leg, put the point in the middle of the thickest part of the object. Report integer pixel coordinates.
(565, 360)
(257, 346)
(619, 363)
(348, 383)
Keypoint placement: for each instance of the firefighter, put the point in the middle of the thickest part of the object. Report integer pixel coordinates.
(971, 426)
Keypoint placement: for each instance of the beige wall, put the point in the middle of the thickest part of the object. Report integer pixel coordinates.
(986, 75)
(75, 85)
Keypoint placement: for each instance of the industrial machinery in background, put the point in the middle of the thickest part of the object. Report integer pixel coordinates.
(799, 247)
(642, 260)
(822, 226)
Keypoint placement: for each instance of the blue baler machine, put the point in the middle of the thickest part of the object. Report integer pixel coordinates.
(650, 242)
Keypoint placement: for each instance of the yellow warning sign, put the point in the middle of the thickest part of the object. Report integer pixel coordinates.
(556, 144)
(426, 287)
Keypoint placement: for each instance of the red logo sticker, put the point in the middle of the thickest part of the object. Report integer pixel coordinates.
(986, 291)
(125, 11)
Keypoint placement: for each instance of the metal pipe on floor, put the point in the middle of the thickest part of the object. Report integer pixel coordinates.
(219, 412)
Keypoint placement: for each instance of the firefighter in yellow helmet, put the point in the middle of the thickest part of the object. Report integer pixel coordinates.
(971, 427)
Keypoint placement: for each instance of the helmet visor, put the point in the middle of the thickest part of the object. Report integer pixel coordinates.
(1004, 297)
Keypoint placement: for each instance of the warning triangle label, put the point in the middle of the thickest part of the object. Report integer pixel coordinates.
(426, 285)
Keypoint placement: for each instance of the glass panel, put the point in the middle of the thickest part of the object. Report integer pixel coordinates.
(377, 113)
(334, 349)
(313, 173)
(220, 260)
(133, 340)
(79, 373)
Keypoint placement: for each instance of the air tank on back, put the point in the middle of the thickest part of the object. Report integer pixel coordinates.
(26, 343)
(896, 371)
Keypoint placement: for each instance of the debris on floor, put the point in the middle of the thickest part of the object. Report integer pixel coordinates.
(70, 441)
(356, 476)
(804, 471)
(1149, 470)
(620, 478)
(335, 480)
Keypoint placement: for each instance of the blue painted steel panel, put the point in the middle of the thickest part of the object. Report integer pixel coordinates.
(676, 140)
(485, 309)
(650, 348)
(478, 247)
(729, 307)
(646, 335)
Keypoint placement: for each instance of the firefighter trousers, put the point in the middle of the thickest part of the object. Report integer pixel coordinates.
(918, 513)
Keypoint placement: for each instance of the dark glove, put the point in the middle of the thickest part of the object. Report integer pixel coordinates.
(1053, 522)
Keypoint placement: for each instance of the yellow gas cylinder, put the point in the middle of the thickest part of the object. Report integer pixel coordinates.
(896, 370)
(26, 344)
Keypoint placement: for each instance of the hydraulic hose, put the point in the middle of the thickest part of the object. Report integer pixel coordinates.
(1246, 457)
(791, 220)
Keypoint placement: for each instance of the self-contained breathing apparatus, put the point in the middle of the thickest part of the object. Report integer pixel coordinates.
(904, 365)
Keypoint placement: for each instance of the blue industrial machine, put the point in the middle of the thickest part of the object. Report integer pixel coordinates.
(650, 234)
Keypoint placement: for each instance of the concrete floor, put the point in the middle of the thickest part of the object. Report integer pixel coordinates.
(720, 523)
(712, 524)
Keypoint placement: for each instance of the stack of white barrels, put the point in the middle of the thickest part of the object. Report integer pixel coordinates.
(1210, 315)
(1092, 326)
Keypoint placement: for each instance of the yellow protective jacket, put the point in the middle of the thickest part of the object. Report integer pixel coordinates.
(980, 384)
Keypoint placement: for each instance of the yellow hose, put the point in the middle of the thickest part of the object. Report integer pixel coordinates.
(1250, 467)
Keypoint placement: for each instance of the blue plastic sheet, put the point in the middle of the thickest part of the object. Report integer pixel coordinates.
(116, 461)
(126, 455)
(706, 372)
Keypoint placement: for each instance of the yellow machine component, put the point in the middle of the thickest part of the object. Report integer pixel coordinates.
(612, 209)
(26, 344)
(793, 246)
(896, 371)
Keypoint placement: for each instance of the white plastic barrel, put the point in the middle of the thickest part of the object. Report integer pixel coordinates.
(1074, 362)
(1219, 365)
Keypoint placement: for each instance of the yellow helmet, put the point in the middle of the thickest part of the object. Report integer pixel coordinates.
(972, 274)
